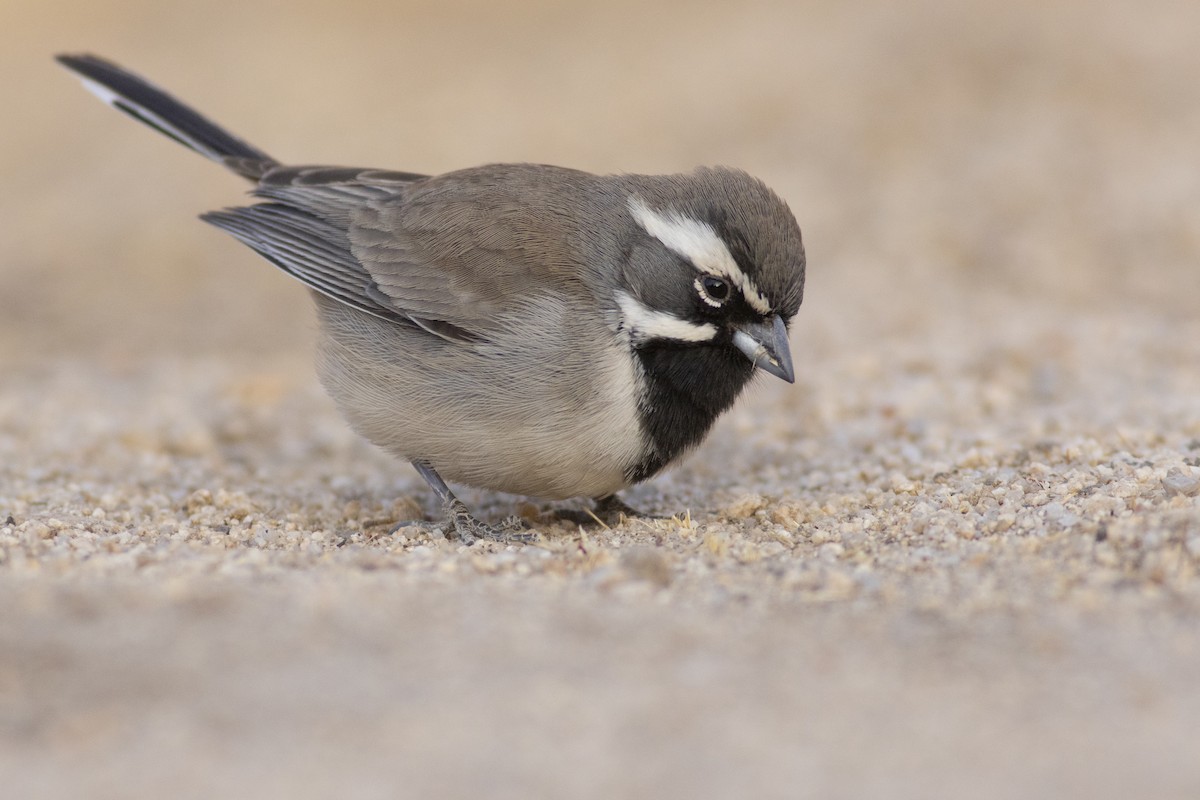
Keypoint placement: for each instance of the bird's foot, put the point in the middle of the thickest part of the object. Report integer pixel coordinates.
(469, 529)
(609, 510)
(460, 521)
(613, 509)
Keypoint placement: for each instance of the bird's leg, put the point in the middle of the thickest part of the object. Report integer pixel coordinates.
(608, 510)
(611, 508)
(465, 525)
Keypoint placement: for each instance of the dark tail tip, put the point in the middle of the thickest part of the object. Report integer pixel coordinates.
(153, 107)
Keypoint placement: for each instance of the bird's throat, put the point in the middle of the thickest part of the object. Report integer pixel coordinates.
(687, 389)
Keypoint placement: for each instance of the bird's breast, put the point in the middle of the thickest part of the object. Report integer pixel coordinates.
(550, 409)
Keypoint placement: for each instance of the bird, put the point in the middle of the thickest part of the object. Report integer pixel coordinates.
(520, 328)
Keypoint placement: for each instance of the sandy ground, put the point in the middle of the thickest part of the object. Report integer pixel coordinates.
(958, 559)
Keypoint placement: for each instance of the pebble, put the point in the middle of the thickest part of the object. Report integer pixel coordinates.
(1178, 482)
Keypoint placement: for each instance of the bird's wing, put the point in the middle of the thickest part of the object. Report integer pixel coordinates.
(469, 247)
(451, 255)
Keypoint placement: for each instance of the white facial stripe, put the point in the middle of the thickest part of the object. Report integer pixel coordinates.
(699, 243)
(694, 240)
(645, 323)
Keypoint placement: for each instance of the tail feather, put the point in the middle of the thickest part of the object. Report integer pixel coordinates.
(152, 106)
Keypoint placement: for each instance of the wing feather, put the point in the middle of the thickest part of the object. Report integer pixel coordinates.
(451, 255)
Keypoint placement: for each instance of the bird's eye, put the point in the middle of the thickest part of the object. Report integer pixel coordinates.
(714, 289)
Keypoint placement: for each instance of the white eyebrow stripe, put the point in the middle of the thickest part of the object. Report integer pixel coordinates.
(645, 323)
(699, 243)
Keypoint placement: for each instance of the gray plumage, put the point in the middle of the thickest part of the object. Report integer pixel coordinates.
(514, 326)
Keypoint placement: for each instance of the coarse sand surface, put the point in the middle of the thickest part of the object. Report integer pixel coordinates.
(959, 558)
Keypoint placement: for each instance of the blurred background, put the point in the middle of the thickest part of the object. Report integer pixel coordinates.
(1001, 205)
(948, 161)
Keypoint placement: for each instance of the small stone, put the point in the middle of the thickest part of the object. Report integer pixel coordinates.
(717, 544)
(820, 536)
(771, 549)
(745, 506)
(1178, 482)
(782, 536)
(37, 531)
(788, 515)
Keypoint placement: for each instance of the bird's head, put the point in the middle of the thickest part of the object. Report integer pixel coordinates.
(714, 263)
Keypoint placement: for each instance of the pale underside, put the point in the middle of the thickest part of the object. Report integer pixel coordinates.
(481, 418)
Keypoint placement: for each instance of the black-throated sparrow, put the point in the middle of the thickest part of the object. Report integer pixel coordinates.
(517, 327)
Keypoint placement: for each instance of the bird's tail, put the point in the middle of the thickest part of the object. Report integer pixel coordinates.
(147, 103)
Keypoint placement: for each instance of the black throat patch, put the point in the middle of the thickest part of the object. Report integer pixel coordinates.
(688, 387)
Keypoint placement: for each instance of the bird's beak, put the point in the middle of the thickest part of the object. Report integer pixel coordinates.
(766, 345)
